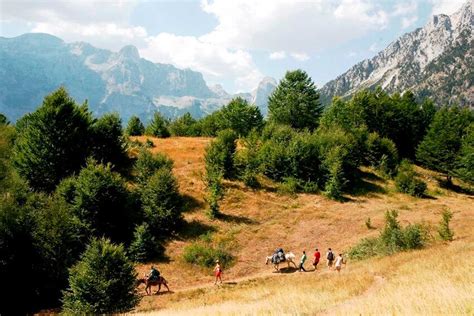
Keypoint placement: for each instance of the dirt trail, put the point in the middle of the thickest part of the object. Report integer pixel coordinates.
(374, 287)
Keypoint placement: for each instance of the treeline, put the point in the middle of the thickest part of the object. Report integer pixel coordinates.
(76, 209)
(307, 148)
(238, 115)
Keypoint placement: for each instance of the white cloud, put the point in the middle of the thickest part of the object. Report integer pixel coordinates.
(374, 48)
(103, 23)
(405, 8)
(300, 56)
(214, 61)
(446, 6)
(277, 55)
(352, 54)
(303, 26)
(409, 21)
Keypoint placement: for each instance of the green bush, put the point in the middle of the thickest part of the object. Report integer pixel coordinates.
(444, 230)
(102, 282)
(144, 246)
(162, 203)
(382, 154)
(100, 199)
(288, 186)
(406, 180)
(367, 247)
(184, 126)
(149, 143)
(205, 255)
(108, 143)
(393, 238)
(215, 191)
(246, 162)
(147, 164)
(415, 236)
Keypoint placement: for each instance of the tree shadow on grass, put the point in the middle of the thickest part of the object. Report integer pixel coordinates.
(190, 203)
(364, 185)
(237, 219)
(443, 183)
(194, 229)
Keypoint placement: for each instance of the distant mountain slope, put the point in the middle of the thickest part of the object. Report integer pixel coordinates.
(33, 65)
(436, 61)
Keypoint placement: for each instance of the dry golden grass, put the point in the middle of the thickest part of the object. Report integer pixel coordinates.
(259, 221)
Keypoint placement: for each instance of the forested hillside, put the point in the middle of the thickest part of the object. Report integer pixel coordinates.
(84, 202)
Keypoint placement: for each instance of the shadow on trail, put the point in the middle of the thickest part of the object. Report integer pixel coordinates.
(163, 293)
(287, 270)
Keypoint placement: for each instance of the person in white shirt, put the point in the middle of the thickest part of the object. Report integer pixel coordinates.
(339, 262)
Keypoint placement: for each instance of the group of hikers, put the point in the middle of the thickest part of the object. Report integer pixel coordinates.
(331, 260)
(277, 257)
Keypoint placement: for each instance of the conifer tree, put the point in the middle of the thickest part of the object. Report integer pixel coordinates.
(441, 145)
(158, 126)
(102, 282)
(135, 127)
(295, 101)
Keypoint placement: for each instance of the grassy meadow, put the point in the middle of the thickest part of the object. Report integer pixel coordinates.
(435, 280)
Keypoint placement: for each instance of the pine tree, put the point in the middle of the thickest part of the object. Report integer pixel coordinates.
(102, 282)
(295, 101)
(135, 127)
(440, 147)
(144, 245)
(158, 126)
(161, 203)
(53, 142)
(465, 160)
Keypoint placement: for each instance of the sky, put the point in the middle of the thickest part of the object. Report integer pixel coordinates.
(234, 43)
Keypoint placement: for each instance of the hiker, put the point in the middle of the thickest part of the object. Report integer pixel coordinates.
(330, 258)
(154, 274)
(317, 256)
(339, 262)
(303, 259)
(218, 272)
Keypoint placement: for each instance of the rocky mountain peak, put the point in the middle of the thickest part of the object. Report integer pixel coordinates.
(437, 55)
(130, 52)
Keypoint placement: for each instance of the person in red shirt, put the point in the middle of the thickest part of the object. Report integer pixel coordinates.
(317, 255)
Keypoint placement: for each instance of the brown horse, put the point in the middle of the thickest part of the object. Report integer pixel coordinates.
(149, 283)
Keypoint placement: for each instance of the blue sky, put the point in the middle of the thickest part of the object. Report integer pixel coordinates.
(233, 43)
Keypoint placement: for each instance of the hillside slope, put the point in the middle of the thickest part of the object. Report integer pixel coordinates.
(434, 61)
(256, 222)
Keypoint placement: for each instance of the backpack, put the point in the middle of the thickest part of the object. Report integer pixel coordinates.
(330, 256)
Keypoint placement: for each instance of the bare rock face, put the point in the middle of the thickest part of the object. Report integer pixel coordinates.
(33, 65)
(434, 61)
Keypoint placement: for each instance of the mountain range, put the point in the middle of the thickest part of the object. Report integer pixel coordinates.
(434, 61)
(32, 65)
